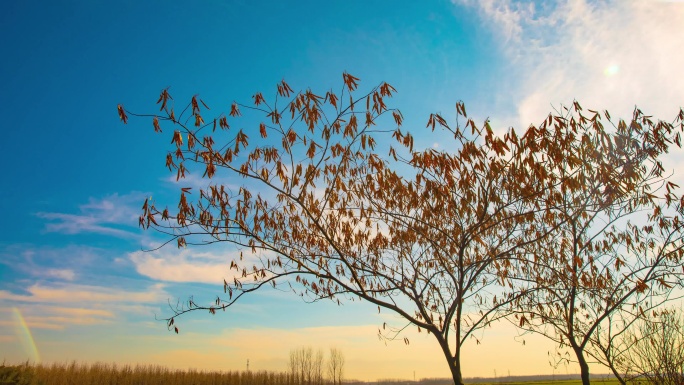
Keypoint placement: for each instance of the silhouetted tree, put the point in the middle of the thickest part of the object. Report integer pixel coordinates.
(336, 366)
(306, 366)
(653, 349)
(449, 240)
(616, 251)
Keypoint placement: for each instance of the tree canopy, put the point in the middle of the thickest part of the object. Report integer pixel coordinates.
(329, 196)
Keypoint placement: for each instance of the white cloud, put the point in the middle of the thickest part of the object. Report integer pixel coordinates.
(197, 182)
(75, 293)
(61, 323)
(607, 55)
(47, 262)
(181, 267)
(188, 265)
(102, 216)
(63, 274)
(57, 306)
(82, 312)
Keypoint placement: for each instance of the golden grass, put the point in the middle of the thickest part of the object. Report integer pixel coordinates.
(111, 374)
(594, 381)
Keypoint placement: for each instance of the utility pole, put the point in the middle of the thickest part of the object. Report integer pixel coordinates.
(248, 364)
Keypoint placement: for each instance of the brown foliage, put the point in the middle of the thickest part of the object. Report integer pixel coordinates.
(451, 241)
(616, 251)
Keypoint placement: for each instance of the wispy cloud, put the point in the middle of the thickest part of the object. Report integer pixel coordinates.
(114, 215)
(58, 318)
(606, 54)
(63, 274)
(44, 262)
(60, 305)
(61, 323)
(81, 312)
(169, 264)
(75, 293)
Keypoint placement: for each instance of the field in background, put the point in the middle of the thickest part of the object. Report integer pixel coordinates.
(514, 380)
(558, 379)
(602, 380)
(111, 374)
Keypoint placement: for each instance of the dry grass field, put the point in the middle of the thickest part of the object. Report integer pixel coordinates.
(594, 381)
(111, 374)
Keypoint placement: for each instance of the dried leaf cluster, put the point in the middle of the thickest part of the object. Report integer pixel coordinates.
(557, 228)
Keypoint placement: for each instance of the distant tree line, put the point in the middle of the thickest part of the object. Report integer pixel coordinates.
(308, 367)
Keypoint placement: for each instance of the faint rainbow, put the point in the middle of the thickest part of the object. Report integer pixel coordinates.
(24, 333)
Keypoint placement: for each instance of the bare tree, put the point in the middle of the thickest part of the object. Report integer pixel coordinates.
(294, 367)
(317, 368)
(655, 349)
(306, 367)
(336, 366)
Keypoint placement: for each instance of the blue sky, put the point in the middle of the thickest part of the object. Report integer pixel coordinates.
(74, 177)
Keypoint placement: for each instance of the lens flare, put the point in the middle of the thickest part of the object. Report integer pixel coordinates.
(25, 336)
(611, 70)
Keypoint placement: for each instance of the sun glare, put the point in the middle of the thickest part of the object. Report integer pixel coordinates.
(612, 70)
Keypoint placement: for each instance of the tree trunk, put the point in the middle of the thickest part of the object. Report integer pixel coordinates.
(455, 367)
(584, 366)
(454, 360)
(617, 374)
